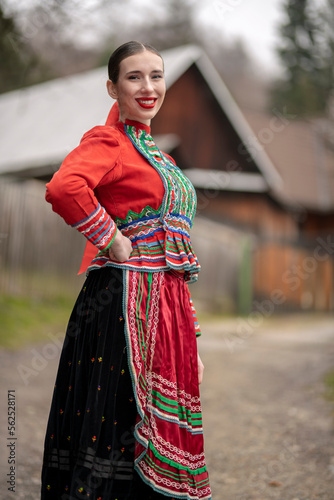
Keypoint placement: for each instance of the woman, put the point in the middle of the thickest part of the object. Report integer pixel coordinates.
(125, 421)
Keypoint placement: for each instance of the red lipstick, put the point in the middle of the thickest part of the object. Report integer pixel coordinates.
(147, 102)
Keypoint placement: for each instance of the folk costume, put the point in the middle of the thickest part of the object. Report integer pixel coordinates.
(125, 421)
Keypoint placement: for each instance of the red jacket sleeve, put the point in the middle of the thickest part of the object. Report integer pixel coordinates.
(71, 190)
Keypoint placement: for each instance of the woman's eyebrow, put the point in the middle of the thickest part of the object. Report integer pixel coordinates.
(138, 72)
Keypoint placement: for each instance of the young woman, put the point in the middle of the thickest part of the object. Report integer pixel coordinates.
(125, 421)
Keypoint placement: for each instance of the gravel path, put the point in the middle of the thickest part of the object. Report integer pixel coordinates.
(268, 429)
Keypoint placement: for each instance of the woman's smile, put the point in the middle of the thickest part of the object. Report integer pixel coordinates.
(147, 102)
(140, 89)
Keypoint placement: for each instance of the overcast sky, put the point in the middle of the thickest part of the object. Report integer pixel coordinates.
(254, 21)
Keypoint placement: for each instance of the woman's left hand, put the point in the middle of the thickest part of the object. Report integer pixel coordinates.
(200, 369)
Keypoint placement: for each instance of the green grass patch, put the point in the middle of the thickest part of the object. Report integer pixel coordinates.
(329, 381)
(26, 320)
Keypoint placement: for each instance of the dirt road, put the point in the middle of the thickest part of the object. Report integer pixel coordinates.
(268, 428)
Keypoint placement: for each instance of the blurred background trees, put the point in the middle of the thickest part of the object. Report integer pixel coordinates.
(307, 54)
(19, 64)
(51, 38)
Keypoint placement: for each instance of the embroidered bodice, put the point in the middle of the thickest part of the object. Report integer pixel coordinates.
(118, 178)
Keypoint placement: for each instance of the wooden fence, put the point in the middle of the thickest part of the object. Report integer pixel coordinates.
(292, 277)
(40, 254)
(225, 255)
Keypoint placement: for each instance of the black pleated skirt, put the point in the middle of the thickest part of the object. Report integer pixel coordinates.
(89, 444)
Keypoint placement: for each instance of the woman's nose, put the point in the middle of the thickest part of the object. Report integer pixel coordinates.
(147, 85)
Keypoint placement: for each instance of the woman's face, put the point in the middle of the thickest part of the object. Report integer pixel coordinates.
(141, 87)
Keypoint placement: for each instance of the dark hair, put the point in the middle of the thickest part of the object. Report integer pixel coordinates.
(122, 52)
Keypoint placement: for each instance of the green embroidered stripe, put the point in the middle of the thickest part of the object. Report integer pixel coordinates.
(138, 316)
(197, 417)
(180, 410)
(172, 402)
(179, 224)
(133, 216)
(169, 401)
(167, 473)
(142, 382)
(143, 251)
(182, 414)
(146, 420)
(133, 230)
(192, 472)
(172, 246)
(188, 477)
(148, 302)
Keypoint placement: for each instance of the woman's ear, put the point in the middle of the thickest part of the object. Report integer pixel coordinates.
(112, 91)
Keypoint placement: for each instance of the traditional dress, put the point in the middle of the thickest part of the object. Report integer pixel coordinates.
(125, 421)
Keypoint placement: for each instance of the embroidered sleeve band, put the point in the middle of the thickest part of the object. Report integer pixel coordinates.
(98, 228)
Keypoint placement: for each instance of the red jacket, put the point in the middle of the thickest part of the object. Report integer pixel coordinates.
(108, 181)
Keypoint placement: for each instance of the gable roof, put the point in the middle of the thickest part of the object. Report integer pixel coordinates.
(43, 123)
(180, 59)
(303, 157)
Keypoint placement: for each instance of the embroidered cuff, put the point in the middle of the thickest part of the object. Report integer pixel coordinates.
(98, 228)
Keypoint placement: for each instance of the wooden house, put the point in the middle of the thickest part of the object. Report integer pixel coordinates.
(267, 175)
(265, 183)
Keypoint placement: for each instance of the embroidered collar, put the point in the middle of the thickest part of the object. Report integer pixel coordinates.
(138, 125)
(180, 196)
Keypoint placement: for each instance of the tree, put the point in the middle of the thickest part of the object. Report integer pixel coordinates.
(15, 58)
(327, 20)
(172, 26)
(306, 52)
(41, 40)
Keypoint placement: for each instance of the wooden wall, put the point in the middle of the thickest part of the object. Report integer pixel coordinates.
(255, 213)
(40, 254)
(208, 140)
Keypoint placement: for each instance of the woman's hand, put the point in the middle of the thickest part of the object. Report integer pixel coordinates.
(200, 369)
(121, 248)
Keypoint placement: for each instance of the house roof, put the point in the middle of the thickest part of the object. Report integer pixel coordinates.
(227, 181)
(178, 60)
(303, 156)
(43, 123)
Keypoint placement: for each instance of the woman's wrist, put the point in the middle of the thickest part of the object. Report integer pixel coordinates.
(120, 249)
(116, 240)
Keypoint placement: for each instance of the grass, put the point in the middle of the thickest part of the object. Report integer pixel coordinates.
(329, 382)
(26, 320)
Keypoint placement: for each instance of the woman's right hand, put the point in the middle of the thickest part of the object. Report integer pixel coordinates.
(121, 248)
